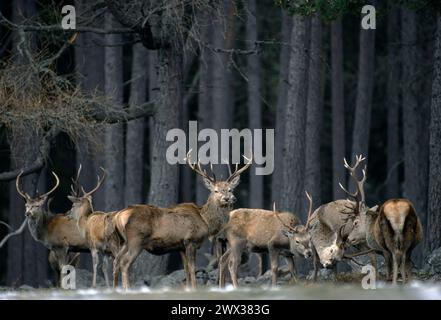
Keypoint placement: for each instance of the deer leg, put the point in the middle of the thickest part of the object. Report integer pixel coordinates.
(105, 269)
(191, 258)
(117, 264)
(374, 263)
(316, 263)
(403, 268)
(292, 267)
(395, 259)
(223, 261)
(274, 259)
(53, 262)
(409, 264)
(259, 264)
(388, 262)
(185, 264)
(234, 261)
(126, 261)
(95, 261)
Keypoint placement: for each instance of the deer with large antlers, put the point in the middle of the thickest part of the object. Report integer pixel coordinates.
(58, 233)
(393, 230)
(95, 226)
(331, 226)
(258, 230)
(181, 228)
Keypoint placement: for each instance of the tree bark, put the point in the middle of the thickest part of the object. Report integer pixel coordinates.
(254, 104)
(222, 76)
(134, 155)
(27, 259)
(413, 157)
(164, 177)
(114, 134)
(314, 114)
(338, 110)
(295, 118)
(433, 230)
(277, 176)
(365, 88)
(393, 103)
(205, 100)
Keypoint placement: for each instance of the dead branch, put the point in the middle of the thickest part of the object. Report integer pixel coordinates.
(15, 233)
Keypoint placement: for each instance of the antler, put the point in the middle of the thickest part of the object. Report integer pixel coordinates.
(75, 187)
(237, 172)
(17, 186)
(53, 189)
(99, 183)
(281, 221)
(197, 168)
(358, 195)
(309, 211)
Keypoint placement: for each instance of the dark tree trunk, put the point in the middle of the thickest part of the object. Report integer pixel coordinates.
(27, 259)
(277, 176)
(338, 109)
(365, 88)
(164, 177)
(295, 118)
(205, 107)
(254, 104)
(433, 229)
(393, 103)
(222, 76)
(412, 126)
(114, 134)
(134, 169)
(314, 114)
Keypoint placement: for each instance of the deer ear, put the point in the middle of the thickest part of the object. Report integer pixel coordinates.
(72, 199)
(208, 184)
(234, 182)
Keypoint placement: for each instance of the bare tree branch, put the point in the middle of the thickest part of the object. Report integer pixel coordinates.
(14, 233)
(38, 163)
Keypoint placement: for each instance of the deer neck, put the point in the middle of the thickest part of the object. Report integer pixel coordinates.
(215, 216)
(370, 232)
(38, 227)
(82, 215)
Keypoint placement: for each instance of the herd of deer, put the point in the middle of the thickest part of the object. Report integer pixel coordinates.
(392, 230)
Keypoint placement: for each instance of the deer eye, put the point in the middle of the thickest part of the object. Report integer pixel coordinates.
(215, 191)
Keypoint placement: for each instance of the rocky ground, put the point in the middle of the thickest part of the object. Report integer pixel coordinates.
(431, 272)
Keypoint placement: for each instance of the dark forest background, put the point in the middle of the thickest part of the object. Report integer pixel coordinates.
(330, 89)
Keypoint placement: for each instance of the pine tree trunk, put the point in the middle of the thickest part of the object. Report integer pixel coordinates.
(114, 134)
(295, 117)
(365, 88)
(433, 229)
(413, 157)
(277, 176)
(222, 77)
(314, 114)
(164, 177)
(134, 156)
(254, 104)
(338, 110)
(27, 259)
(393, 103)
(205, 108)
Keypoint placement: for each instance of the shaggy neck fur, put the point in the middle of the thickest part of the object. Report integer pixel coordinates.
(38, 226)
(215, 216)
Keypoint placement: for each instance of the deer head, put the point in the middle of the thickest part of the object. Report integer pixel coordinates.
(35, 207)
(82, 200)
(221, 192)
(333, 253)
(299, 237)
(357, 213)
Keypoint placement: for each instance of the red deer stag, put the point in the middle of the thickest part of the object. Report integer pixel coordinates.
(58, 233)
(258, 230)
(182, 228)
(96, 227)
